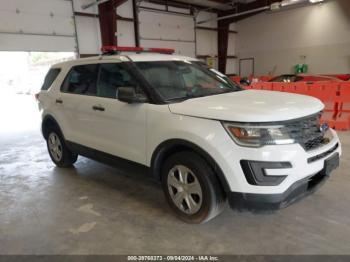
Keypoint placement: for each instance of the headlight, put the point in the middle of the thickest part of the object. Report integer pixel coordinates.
(257, 136)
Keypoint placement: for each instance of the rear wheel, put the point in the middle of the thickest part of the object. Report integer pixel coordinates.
(58, 150)
(192, 188)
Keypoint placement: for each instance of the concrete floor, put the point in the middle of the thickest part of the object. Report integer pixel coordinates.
(96, 209)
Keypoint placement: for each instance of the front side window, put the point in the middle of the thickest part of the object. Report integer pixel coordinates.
(81, 79)
(113, 76)
(184, 79)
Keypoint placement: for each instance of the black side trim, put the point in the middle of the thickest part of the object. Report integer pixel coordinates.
(175, 145)
(255, 173)
(323, 155)
(107, 158)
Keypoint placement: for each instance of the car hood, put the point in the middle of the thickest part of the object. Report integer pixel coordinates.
(249, 106)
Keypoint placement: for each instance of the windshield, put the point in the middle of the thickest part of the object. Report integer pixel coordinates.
(175, 80)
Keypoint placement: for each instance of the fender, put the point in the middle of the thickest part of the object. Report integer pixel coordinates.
(50, 118)
(170, 146)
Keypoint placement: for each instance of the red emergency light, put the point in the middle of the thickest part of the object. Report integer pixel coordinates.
(116, 49)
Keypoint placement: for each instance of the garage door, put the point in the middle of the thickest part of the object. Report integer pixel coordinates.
(161, 29)
(36, 25)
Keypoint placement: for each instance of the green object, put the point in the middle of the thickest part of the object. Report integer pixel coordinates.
(301, 68)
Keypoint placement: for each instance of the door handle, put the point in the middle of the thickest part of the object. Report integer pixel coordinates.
(98, 108)
(59, 101)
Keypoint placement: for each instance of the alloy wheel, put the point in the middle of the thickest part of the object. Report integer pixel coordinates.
(185, 189)
(55, 147)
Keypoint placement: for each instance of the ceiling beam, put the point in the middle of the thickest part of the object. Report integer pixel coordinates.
(179, 4)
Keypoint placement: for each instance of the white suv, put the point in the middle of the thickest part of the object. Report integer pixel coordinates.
(203, 137)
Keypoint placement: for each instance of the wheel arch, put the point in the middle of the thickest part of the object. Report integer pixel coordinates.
(48, 122)
(169, 147)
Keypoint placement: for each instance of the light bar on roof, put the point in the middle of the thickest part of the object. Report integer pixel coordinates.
(111, 49)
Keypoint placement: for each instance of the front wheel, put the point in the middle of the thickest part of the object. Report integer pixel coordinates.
(58, 150)
(192, 188)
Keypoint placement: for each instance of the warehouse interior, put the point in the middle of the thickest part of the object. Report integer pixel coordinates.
(96, 209)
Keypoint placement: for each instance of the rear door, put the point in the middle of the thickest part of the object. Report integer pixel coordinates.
(76, 99)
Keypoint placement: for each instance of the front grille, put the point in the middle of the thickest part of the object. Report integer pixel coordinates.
(314, 143)
(307, 132)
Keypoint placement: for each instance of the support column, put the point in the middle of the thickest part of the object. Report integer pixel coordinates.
(223, 30)
(136, 22)
(108, 22)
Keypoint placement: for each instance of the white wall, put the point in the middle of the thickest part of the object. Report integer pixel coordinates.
(206, 40)
(278, 41)
(231, 63)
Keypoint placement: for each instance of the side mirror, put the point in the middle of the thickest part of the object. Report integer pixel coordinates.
(128, 94)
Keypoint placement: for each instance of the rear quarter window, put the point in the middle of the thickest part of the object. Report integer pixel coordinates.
(50, 78)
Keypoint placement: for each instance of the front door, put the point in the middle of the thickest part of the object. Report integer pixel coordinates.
(118, 128)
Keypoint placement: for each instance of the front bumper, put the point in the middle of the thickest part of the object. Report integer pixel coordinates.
(303, 164)
(271, 202)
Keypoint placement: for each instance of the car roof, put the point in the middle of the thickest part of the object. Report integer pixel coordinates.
(142, 57)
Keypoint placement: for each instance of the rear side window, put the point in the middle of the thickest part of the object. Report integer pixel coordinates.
(81, 79)
(50, 78)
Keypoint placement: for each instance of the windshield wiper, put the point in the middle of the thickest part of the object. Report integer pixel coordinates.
(191, 95)
(187, 96)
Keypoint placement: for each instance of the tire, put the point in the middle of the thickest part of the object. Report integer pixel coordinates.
(191, 188)
(58, 151)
